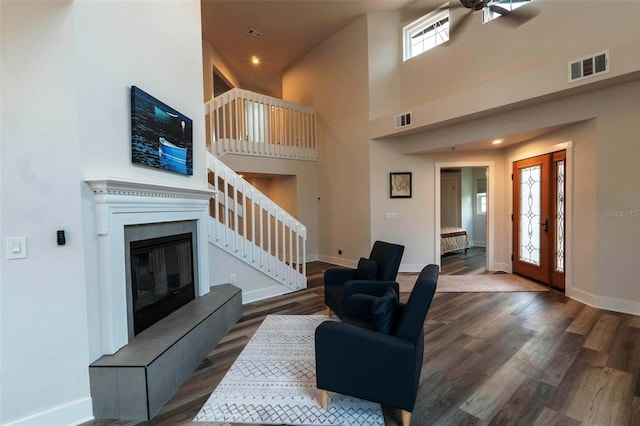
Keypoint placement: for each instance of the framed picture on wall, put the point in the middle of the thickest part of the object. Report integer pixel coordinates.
(400, 185)
(161, 137)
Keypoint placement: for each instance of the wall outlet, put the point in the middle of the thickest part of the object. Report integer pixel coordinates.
(340, 251)
(232, 278)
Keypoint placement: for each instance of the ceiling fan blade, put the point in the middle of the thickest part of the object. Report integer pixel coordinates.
(499, 9)
(515, 17)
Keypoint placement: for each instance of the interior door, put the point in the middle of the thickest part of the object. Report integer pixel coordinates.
(450, 207)
(538, 218)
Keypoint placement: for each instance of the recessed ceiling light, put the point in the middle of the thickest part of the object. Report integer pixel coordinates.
(497, 142)
(255, 60)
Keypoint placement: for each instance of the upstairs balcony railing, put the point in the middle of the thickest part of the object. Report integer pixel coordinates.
(247, 123)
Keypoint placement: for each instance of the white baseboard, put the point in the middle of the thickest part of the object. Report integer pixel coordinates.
(340, 261)
(312, 258)
(603, 302)
(73, 413)
(412, 267)
(479, 244)
(504, 267)
(264, 293)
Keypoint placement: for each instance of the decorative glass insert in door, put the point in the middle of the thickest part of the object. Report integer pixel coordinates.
(530, 214)
(559, 243)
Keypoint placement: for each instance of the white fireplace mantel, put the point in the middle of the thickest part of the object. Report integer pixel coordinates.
(115, 195)
(123, 202)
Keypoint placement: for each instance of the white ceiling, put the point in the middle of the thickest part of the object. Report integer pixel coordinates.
(290, 29)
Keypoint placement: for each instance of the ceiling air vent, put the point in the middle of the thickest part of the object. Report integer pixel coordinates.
(589, 66)
(403, 120)
(255, 33)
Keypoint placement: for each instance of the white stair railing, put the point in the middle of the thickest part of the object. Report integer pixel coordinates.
(254, 229)
(248, 123)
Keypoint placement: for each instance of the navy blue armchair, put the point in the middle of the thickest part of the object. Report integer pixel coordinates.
(382, 265)
(354, 358)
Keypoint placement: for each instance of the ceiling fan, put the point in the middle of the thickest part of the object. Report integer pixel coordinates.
(513, 17)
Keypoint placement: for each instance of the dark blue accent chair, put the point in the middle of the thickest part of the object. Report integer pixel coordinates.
(340, 283)
(352, 358)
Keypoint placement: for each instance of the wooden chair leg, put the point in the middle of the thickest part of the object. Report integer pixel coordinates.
(406, 418)
(329, 312)
(325, 399)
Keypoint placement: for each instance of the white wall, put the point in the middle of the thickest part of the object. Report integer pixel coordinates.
(472, 90)
(484, 67)
(332, 79)
(489, 90)
(384, 54)
(606, 151)
(416, 224)
(44, 309)
(254, 284)
(604, 126)
(66, 72)
(154, 49)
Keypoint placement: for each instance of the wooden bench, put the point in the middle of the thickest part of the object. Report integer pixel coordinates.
(135, 382)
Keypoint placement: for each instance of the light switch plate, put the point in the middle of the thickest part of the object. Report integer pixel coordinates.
(16, 247)
(391, 216)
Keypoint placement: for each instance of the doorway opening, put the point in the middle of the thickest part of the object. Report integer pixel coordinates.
(463, 218)
(220, 83)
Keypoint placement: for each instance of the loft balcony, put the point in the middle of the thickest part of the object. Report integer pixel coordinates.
(246, 123)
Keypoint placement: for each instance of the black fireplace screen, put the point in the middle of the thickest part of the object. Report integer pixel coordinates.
(161, 277)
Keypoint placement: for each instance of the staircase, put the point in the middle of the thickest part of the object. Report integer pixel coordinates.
(248, 225)
(244, 222)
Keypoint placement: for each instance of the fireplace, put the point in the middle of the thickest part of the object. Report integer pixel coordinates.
(161, 259)
(132, 377)
(161, 278)
(128, 211)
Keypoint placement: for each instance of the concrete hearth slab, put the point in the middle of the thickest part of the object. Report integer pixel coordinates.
(135, 382)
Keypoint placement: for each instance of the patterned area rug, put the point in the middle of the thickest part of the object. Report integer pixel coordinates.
(273, 381)
(483, 283)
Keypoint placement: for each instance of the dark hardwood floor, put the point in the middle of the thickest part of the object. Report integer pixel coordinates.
(474, 261)
(490, 359)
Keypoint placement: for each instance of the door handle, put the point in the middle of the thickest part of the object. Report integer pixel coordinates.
(546, 226)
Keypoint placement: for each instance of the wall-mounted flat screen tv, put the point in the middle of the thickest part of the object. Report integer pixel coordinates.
(161, 137)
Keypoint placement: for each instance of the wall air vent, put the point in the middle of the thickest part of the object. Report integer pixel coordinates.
(589, 66)
(403, 120)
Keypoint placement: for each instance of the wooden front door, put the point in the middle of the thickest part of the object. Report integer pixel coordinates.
(538, 218)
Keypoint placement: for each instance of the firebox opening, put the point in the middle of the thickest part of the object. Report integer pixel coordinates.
(162, 277)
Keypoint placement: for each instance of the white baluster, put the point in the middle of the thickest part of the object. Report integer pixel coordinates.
(269, 237)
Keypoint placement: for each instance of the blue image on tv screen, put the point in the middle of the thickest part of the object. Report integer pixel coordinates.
(161, 137)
